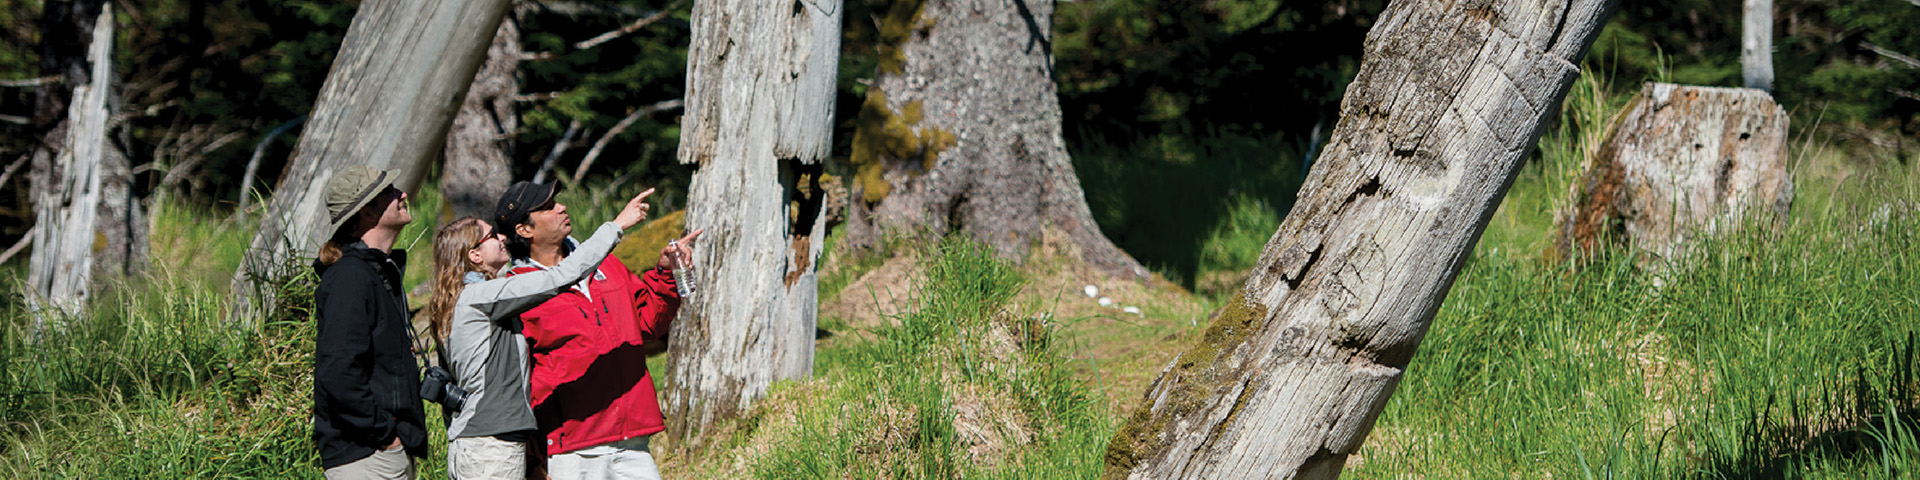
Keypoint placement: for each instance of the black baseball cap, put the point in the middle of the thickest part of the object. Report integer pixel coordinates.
(522, 198)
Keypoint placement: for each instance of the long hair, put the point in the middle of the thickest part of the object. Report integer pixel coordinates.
(347, 234)
(450, 267)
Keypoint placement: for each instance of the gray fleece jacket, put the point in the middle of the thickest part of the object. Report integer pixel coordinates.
(488, 351)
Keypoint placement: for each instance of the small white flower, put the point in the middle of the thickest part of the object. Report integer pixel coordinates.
(1092, 291)
(1106, 302)
(1133, 310)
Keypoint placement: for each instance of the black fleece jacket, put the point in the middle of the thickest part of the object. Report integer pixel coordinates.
(366, 386)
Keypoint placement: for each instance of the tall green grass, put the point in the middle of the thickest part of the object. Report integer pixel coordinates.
(152, 382)
(927, 395)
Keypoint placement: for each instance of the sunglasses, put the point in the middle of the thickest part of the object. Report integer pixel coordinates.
(543, 207)
(489, 236)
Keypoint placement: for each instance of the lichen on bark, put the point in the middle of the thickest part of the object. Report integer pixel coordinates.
(884, 139)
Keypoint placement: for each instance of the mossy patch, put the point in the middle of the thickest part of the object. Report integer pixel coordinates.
(1192, 382)
(640, 249)
(882, 135)
(903, 19)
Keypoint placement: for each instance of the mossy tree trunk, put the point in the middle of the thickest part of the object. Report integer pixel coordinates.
(760, 83)
(1288, 380)
(401, 74)
(479, 150)
(88, 222)
(961, 132)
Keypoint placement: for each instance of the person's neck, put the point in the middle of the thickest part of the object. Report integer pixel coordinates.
(546, 254)
(380, 238)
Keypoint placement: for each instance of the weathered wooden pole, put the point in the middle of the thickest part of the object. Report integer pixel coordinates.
(402, 71)
(760, 83)
(1756, 44)
(1287, 381)
(86, 223)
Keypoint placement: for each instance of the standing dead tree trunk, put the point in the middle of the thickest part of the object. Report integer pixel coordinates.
(961, 132)
(401, 73)
(1680, 161)
(1288, 380)
(1756, 44)
(479, 152)
(87, 223)
(760, 82)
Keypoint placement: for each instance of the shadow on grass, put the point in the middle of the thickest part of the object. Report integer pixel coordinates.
(1866, 423)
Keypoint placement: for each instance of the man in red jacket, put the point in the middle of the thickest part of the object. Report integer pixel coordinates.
(593, 397)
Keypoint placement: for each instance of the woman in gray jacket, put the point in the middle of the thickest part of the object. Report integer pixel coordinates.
(477, 318)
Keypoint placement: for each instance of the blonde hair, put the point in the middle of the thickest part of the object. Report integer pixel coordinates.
(450, 267)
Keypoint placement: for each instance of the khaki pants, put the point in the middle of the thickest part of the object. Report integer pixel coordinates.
(390, 464)
(623, 460)
(486, 458)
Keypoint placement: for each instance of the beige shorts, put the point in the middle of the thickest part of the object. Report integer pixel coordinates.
(486, 458)
(389, 464)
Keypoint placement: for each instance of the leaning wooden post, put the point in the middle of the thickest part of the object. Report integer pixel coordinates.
(758, 126)
(1287, 381)
(400, 76)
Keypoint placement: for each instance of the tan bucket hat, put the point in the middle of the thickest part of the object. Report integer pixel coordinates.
(352, 188)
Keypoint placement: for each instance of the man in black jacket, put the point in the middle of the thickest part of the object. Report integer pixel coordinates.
(366, 403)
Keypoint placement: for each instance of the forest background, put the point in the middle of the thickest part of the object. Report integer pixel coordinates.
(1191, 125)
(1160, 99)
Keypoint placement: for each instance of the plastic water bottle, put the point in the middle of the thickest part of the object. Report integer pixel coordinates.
(682, 272)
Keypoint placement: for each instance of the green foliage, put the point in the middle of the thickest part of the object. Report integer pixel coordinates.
(600, 86)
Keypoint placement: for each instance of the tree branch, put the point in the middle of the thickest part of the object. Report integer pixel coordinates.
(253, 164)
(24, 241)
(31, 82)
(635, 26)
(594, 153)
(13, 167)
(1895, 91)
(609, 36)
(534, 97)
(566, 141)
(1910, 61)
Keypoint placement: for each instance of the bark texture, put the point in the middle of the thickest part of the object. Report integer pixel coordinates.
(479, 150)
(88, 224)
(1756, 44)
(961, 132)
(1680, 162)
(760, 83)
(401, 73)
(1287, 381)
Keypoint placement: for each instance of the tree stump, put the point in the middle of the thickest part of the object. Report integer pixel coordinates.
(1680, 162)
(86, 224)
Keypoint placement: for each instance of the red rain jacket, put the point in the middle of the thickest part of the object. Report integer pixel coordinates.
(590, 384)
